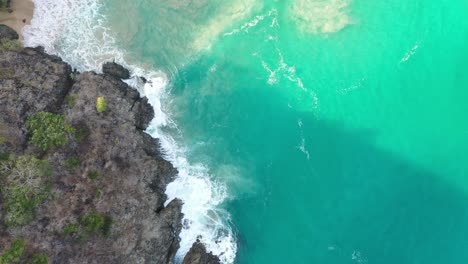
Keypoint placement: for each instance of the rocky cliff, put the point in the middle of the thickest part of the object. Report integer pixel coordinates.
(81, 182)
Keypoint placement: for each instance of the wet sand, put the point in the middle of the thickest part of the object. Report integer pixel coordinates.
(21, 15)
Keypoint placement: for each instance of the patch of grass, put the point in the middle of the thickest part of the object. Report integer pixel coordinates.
(10, 45)
(14, 253)
(39, 259)
(48, 129)
(93, 222)
(71, 99)
(72, 164)
(96, 223)
(93, 175)
(71, 229)
(3, 140)
(101, 104)
(24, 186)
(81, 134)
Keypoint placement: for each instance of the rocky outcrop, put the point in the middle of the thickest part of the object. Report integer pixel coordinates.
(115, 70)
(130, 173)
(7, 33)
(5, 3)
(198, 255)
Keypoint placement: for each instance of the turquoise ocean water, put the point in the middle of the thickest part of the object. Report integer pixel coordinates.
(338, 129)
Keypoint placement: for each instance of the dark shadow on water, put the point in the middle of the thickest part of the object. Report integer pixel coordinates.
(350, 202)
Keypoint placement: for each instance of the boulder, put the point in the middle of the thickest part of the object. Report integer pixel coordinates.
(198, 255)
(8, 33)
(115, 70)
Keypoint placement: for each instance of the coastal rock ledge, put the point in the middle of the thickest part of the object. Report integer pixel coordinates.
(81, 182)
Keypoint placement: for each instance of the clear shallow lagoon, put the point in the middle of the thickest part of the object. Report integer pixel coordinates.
(335, 131)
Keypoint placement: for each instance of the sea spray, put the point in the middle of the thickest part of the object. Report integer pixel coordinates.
(77, 32)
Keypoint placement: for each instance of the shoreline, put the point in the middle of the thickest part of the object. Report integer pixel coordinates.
(21, 15)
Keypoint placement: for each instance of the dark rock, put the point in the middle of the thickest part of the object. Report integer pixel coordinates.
(115, 70)
(144, 113)
(132, 172)
(8, 33)
(5, 4)
(198, 255)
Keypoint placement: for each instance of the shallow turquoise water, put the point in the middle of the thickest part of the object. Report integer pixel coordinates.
(340, 132)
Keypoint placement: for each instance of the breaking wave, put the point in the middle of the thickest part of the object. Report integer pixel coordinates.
(77, 32)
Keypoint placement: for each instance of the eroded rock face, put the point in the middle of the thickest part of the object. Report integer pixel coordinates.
(132, 173)
(7, 32)
(115, 70)
(198, 255)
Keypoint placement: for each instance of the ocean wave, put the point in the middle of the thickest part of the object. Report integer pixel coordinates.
(410, 54)
(77, 32)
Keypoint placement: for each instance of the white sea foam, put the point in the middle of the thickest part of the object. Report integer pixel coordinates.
(409, 54)
(320, 16)
(76, 31)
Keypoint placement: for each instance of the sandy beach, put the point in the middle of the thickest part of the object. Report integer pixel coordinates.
(21, 15)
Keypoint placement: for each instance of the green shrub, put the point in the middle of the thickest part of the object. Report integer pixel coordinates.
(3, 140)
(72, 164)
(81, 134)
(71, 99)
(19, 207)
(39, 259)
(10, 45)
(24, 187)
(93, 222)
(93, 175)
(106, 228)
(48, 130)
(71, 229)
(14, 253)
(101, 104)
(4, 156)
(96, 223)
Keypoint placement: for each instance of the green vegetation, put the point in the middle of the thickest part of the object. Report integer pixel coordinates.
(24, 186)
(89, 224)
(48, 130)
(93, 222)
(72, 164)
(3, 4)
(4, 156)
(71, 229)
(101, 105)
(81, 134)
(93, 175)
(10, 45)
(39, 259)
(14, 253)
(71, 99)
(3, 140)
(96, 223)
